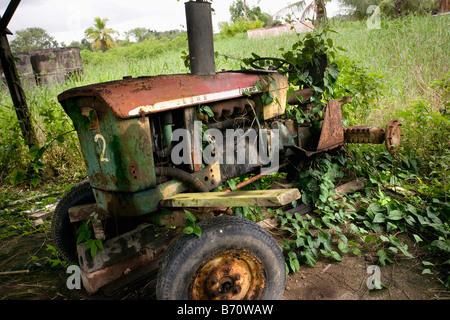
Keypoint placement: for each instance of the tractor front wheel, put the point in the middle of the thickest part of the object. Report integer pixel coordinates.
(63, 230)
(234, 259)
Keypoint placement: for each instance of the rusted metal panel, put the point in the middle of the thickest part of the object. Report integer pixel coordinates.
(332, 134)
(364, 134)
(134, 97)
(118, 153)
(147, 201)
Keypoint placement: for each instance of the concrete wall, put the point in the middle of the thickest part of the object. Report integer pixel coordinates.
(47, 66)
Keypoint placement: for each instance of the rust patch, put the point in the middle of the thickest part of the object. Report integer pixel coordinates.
(364, 134)
(332, 134)
(393, 135)
(123, 96)
(229, 275)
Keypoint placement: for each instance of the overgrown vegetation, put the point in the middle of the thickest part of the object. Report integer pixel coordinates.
(399, 71)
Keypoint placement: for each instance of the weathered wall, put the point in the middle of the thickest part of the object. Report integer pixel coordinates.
(286, 28)
(47, 66)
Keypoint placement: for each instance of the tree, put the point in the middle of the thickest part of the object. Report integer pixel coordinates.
(139, 34)
(100, 35)
(32, 39)
(83, 45)
(240, 10)
(315, 7)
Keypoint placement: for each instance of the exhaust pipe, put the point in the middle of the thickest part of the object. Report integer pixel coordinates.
(200, 37)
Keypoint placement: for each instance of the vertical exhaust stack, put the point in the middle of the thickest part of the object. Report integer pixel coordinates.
(200, 37)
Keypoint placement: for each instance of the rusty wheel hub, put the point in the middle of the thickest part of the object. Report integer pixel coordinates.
(229, 275)
(393, 135)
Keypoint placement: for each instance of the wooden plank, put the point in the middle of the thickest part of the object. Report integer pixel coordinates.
(142, 240)
(301, 209)
(348, 187)
(262, 198)
(84, 211)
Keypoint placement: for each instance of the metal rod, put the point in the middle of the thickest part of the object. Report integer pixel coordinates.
(257, 177)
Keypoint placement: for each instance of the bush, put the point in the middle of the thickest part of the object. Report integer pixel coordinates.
(149, 48)
(240, 26)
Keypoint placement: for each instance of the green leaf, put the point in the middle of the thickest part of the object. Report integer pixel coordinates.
(208, 111)
(232, 183)
(369, 238)
(383, 257)
(343, 247)
(197, 231)
(190, 216)
(293, 261)
(188, 230)
(336, 256)
(310, 259)
(427, 271)
(99, 244)
(379, 218)
(395, 215)
(17, 176)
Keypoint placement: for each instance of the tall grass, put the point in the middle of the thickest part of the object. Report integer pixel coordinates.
(409, 53)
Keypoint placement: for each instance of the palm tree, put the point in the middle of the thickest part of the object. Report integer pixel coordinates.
(317, 7)
(100, 35)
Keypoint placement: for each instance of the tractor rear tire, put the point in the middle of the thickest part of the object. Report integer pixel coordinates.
(234, 259)
(63, 230)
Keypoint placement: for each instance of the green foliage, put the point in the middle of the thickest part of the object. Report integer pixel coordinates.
(84, 235)
(358, 8)
(240, 26)
(363, 86)
(191, 226)
(145, 49)
(32, 39)
(100, 35)
(377, 216)
(399, 71)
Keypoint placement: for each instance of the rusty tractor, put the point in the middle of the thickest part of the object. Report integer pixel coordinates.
(141, 182)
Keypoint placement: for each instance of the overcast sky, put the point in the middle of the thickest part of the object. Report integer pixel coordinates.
(66, 20)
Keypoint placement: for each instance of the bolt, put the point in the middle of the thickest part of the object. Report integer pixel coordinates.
(236, 289)
(226, 287)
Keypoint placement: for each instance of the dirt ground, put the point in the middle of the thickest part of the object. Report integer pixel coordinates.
(329, 280)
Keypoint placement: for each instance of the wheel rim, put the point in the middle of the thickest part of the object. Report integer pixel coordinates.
(229, 275)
